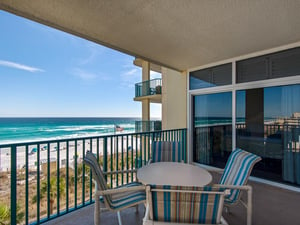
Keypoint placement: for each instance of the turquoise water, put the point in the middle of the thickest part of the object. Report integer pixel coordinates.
(14, 130)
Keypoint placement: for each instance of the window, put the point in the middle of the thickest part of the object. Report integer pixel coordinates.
(267, 119)
(280, 64)
(211, 77)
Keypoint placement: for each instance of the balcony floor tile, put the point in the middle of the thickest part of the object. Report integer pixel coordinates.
(271, 205)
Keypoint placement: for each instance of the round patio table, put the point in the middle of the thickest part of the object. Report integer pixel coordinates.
(174, 174)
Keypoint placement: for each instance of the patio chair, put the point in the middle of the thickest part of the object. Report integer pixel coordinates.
(184, 205)
(166, 151)
(116, 199)
(235, 177)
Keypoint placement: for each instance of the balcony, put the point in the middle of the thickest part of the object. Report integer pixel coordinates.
(150, 89)
(60, 189)
(147, 125)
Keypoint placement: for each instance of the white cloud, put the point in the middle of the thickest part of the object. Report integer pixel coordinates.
(94, 50)
(131, 72)
(20, 66)
(86, 75)
(131, 76)
(154, 75)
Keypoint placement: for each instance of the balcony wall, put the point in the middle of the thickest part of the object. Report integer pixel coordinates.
(147, 125)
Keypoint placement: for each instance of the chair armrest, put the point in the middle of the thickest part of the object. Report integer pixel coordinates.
(210, 168)
(244, 187)
(121, 190)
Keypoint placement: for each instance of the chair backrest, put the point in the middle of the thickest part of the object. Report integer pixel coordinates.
(166, 151)
(186, 204)
(237, 171)
(91, 161)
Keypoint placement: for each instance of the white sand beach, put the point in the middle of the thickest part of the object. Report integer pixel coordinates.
(112, 146)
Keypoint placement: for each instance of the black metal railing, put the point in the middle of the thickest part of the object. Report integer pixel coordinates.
(147, 125)
(149, 87)
(46, 179)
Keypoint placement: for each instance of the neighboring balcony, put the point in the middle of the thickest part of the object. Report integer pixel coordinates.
(147, 125)
(150, 89)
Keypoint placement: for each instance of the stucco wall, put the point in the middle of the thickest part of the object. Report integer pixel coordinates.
(174, 99)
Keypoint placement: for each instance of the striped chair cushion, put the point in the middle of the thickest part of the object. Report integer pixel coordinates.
(187, 207)
(237, 171)
(117, 200)
(91, 160)
(166, 151)
(127, 199)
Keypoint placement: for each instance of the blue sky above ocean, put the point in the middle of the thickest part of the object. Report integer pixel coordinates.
(48, 73)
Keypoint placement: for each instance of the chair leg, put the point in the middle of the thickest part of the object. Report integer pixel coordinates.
(119, 217)
(97, 210)
(226, 209)
(249, 206)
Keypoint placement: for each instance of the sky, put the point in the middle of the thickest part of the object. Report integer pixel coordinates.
(48, 73)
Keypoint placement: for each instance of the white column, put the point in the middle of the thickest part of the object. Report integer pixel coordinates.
(146, 102)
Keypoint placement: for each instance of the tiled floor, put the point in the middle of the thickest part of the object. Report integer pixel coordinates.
(271, 205)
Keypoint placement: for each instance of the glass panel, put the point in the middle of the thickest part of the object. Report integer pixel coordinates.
(211, 77)
(280, 64)
(268, 124)
(212, 128)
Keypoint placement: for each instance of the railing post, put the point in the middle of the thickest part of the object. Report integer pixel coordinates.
(38, 193)
(26, 185)
(13, 183)
(105, 157)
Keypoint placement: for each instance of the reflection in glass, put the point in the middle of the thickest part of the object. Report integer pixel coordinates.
(268, 124)
(211, 77)
(212, 128)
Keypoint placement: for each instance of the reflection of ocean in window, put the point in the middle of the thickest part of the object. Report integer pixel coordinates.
(213, 109)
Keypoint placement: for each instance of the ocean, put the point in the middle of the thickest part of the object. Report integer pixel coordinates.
(14, 130)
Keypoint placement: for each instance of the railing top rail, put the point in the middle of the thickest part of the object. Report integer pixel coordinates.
(152, 80)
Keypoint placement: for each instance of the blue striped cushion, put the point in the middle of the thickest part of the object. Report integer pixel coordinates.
(91, 160)
(237, 171)
(166, 151)
(117, 200)
(127, 199)
(181, 207)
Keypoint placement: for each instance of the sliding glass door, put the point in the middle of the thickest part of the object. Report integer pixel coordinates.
(268, 124)
(212, 127)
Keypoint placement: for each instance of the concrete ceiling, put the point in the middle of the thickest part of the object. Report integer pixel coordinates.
(178, 34)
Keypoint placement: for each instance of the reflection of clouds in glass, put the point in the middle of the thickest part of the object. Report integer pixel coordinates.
(280, 101)
(196, 83)
(214, 105)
